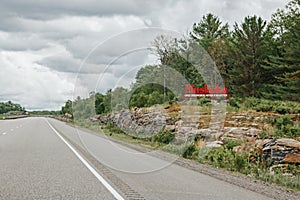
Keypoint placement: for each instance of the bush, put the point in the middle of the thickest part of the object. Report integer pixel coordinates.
(190, 151)
(229, 144)
(283, 110)
(251, 102)
(114, 129)
(264, 106)
(241, 163)
(221, 157)
(233, 102)
(204, 101)
(296, 110)
(165, 138)
(284, 127)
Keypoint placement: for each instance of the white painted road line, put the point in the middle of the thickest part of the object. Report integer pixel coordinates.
(11, 129)
(96, 174)
(4, 133)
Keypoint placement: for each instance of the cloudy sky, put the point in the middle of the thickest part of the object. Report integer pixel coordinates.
(54, 50)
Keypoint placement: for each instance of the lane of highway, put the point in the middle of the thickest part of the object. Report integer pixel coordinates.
(36, 164)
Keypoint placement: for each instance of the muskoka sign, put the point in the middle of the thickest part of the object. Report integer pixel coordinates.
(205, 91)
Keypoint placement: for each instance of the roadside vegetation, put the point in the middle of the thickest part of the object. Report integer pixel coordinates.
(7, 107)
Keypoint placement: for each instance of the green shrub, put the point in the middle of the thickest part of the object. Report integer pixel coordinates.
(241, 163)
(264, 106)
(165, 138)
(204, 101)
(288, 131)
(283, 110)
(233, 102)
(221, 157)
(284, 127)
(283, 121)
(296, 110)
(114, 129)
(190, 151)
(251, 102)
(229, 144)
(263, 135)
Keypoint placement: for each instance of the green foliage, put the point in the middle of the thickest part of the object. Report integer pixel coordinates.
(9, 106)
(283, 110)
(234, 102)
(251, 102)
(249, 50)
(100, 103)
(208, 30)
(190, 151)
(225, 158)
(263, 105)
(114, 129)
(67, 108)
(279, 178)
(45, 112)
(284, 127)
(204, 101)
(285, 24)
(165, 138)
(229, 144)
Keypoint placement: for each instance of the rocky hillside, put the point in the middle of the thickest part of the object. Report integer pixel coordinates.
(251, 130)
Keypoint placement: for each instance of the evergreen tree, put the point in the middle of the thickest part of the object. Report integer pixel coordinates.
(285, 25)
(249, 52)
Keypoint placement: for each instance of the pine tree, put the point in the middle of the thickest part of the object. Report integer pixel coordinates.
(285, 64)
(249, 52)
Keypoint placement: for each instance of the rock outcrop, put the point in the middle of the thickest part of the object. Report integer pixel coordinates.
(138, 123)
(283, 150)
(188, 123)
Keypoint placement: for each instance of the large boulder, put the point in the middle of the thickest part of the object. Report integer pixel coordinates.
(283, 150)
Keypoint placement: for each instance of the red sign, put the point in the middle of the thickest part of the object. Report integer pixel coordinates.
(192, 92)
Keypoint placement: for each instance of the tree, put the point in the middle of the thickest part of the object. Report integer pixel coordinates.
(285, 25)
(119, 98)
(9, 106)
(249, 52)
(99, 103)
(209, 30)
(213, 36)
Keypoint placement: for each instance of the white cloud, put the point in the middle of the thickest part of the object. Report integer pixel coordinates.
(31, 85)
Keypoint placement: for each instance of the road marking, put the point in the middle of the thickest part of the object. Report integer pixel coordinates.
(96, 174)
(11, 129)
(4, 133)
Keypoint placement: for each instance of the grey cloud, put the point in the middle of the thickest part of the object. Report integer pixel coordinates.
(50, 9)
(61, 63)
(21, 42)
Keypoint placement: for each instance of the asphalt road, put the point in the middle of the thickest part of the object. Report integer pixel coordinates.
(47, 159)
